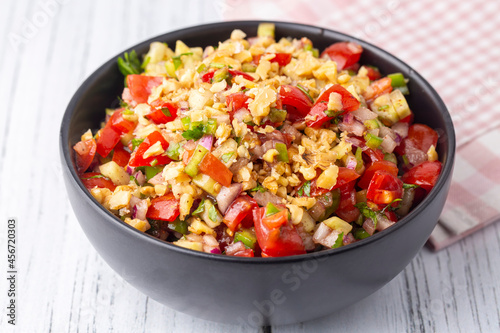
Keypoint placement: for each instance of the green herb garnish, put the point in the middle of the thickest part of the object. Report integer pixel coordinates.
(212, 214)
(259, 188)
(200, 208)
(129, 65)
(136, 142)
(305, 189)
(306, 92)
(367, 212)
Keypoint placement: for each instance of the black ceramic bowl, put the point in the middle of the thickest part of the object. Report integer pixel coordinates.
(253, 291)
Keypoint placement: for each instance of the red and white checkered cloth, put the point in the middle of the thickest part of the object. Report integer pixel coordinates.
(455, 45)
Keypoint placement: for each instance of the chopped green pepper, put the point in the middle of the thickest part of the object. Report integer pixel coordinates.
(398, 81)
(306, 92)
(173, 150)
(361, 234)
(277, 115)
(211, 126)
(391, 158)
(179, 226)
(248, 67)
(373, 141)
(221, 74)
(151, 171)
(282, 152)
(271, 209)
(192, 167)
(247, 237)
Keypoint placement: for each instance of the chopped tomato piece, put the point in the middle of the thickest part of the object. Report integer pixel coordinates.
(120, 124)
(85, 152)
(240, 211)
(236, 101)
(110, 135)
(384, 188)
(276, 220)
(107, 139)
(317, 115)
(244, 253)
(377, 165)
(295, 100)
(213, 167)
(165, 208)
(424, 175)
(282, 59)
(378, 88)
(345, 54)
(95, 179)
(344, 176)
(138, 156)
(373, 73)
(240, 73)
(140, 86)
(162, 112)
(276, 242)
(346, 210)
(422, 137)
(120, 155)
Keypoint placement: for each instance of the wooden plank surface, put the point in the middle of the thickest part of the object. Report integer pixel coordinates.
(64, 286)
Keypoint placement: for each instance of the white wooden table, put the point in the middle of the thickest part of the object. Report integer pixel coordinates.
(64, 286)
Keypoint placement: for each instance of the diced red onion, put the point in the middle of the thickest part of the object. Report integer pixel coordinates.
(384, 130)
(215, 251)
(383, 223)
(207, 142)
(130, 170)
(398, 138)
(348, 239)
(233, 248)
(157, 179)
(139, 208)
(140, 177)
(227, 195)
(369, 226)
(292, 131)
(388, 144)
(401, 129)
(363, 114)
(348, 118)
(241, 114)
(351, 162)
(354, 127)
(355, 142)
(414, 155)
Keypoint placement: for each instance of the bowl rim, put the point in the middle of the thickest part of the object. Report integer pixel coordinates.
(446, 171)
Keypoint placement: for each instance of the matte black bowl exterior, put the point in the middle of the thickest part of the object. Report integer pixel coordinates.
(254, 291)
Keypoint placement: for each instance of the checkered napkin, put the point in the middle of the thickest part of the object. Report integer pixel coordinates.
(455, 45)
